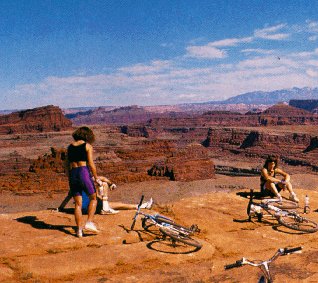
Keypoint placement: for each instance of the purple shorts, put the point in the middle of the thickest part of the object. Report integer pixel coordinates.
(81, 180)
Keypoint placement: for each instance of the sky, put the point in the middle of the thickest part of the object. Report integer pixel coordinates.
(152, 52)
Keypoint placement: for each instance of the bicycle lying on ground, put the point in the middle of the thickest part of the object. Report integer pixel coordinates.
(280, 209)
(264, 265)
(167, 227)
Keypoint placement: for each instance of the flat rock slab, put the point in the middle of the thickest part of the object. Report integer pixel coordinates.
(42, 246)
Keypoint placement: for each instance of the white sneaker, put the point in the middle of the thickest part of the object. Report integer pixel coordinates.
(109, 211)
(293, 197)
(90, 226)
(79, 233)
(148, 204)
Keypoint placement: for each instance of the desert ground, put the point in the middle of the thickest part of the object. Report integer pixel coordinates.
(38, 244)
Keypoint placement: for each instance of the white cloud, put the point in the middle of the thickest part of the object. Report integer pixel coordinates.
(272, 33)
(312, 26)
(312, 73)
(230, 42)
(312, 62)
(258, 51)
(154, 66)
(206, 52)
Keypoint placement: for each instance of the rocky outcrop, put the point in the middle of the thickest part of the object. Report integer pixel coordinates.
(137, 131)
(185, 164)
(42, 119)
(236, 171)
(15, 163)
(117, 116)
(280, 114)
(55, 161)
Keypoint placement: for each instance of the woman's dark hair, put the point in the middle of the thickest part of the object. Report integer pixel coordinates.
(85, 134)
(270, 159)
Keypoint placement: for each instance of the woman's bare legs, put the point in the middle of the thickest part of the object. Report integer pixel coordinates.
(292, 195)
(78, 211)
(122, 206)
(91, 207)
(272, 187)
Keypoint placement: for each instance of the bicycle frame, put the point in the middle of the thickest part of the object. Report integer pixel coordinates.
(168, 228)
(269, 208)
(153, 218)
(265, 205)
(264, 265)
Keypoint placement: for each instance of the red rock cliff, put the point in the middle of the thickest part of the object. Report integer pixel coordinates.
(42, 119)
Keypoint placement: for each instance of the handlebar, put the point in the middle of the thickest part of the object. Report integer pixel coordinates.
(287, 251)
(238, 263)
(281, 251)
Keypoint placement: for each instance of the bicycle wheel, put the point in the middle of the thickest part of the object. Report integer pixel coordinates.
(297, 222)
(180, 234)
(284, 204)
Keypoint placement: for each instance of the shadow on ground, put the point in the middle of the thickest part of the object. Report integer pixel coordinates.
(38, 224)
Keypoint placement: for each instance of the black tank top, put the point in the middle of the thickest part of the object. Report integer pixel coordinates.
(77, 153)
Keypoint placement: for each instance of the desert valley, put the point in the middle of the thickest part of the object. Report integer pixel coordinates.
(198, 164)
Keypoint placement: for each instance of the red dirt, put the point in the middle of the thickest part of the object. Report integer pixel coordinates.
(40, 245)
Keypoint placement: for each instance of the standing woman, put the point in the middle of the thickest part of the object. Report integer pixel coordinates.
(82, 171)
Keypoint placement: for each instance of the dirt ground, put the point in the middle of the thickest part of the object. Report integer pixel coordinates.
(38, 244)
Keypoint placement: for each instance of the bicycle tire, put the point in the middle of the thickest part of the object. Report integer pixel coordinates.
(296, 222)
(284, 204)
(178, 234)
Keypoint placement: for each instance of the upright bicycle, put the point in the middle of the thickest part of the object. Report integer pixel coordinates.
(264, 265)
(168, 227)
(282, 211)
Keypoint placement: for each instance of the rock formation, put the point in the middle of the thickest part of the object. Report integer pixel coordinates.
(186, 164)
(42, 119)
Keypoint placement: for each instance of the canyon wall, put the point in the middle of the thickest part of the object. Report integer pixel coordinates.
(42, 119)
(181, 147)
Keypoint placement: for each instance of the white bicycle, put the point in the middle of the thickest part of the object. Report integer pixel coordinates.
(264, 265)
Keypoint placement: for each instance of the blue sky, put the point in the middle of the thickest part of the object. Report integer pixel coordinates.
(147, 52)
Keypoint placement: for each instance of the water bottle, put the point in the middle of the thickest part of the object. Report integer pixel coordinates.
(306, 206)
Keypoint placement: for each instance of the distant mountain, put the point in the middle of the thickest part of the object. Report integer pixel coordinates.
(272, 97)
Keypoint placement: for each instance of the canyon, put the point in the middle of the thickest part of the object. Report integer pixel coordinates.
(198, 166)
(176, 146)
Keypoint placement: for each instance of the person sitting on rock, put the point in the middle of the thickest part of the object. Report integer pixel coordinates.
(270, 185)
(103, 205)
(106, 207)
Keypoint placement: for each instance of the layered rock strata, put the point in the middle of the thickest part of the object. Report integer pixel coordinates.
(42, 119)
